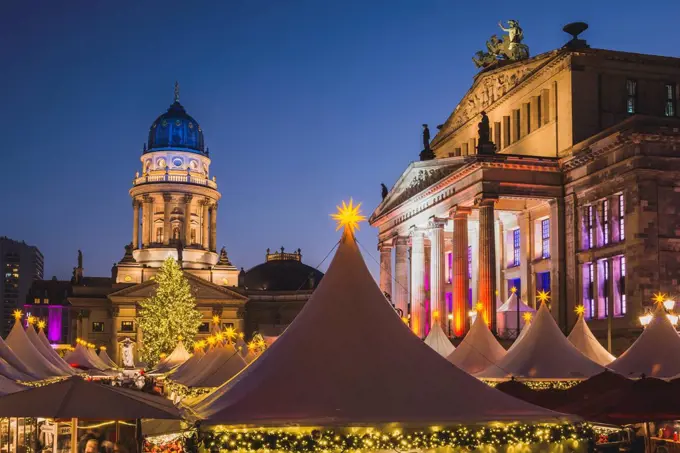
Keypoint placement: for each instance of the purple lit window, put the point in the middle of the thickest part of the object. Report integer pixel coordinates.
(605, 221)
(515, 247)
(590, 225)
(622, 226)
(590, 312)
(622, 284)
(545, 238)
(469, 261)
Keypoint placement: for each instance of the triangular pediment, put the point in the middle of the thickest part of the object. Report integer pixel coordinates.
(200, 288)
(417, 177)
(489, 87)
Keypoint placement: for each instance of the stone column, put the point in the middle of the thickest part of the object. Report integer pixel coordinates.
(460, 270)
(147, 220)
(437, 274)
(205, 219)
(418, 282)
(525, 243)
(213, 228)
(400, 294)
(487, 261)
(167, 209)
(558, 264)
(187, 219)
(135, 224)
(386, 268)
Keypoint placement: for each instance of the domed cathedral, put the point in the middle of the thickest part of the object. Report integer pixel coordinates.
(174, 204)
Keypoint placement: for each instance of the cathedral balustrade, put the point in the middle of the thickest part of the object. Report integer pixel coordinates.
(181, 178)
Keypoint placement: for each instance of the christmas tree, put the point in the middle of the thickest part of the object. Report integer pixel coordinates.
(170, 314)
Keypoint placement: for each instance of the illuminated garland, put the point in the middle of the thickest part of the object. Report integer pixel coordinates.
(43, 382)
(539, 385)
(371, 440)
(184, 391)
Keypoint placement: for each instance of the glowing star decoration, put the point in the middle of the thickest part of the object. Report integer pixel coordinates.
(513, 290)
(212, 341)
(659, 298)
(241, 335)
(102, 348)
(543, 296)
(180, 338)
(580, 310)
(479, 306)
(230, 333)
(435, 315)
(348, 216)
(41, 324)
(216, 320)
(30, 320)
(17, 315)
(527, 316)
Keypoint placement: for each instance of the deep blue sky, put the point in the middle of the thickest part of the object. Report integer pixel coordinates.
(303, 104)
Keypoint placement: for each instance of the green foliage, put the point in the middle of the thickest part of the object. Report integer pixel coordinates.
(167, 316)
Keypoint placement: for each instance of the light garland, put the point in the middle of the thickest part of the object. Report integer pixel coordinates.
(539, 385)
(183, 391)
(469, 438)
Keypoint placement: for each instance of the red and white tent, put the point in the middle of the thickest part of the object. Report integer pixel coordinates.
(348, 358)
(544, 353)
(583, 339)
(655, 353)
(438, 341)
(478, 350)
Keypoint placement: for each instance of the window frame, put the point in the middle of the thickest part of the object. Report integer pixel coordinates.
(516, 247)
(545, 238)
(631, 96)
(622, 286)
(127, 326)
(99, 327)
(605, 222)
(622, 221)
(591, 291)
(670, 109)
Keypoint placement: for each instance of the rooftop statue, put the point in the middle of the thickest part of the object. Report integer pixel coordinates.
(509, 47)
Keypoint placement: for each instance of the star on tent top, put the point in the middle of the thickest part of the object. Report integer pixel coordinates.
(348, 216)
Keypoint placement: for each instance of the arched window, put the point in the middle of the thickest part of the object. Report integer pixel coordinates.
(175, 233)
(159, 234)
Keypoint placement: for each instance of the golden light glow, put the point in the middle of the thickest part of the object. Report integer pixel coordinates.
(513, 290)
(17, 315)
(450, 316)
(30, 319)
(543, 296)
(163, 355)
(673, 319)
(435, 314)
(216, 320)
(659, 297)
(669, 304)
(479, 306)
(212, 341)
(405, 319)
(252, 346)
(580, 309)
(180, 338)
(102, 348)
(219, 336)
(527, 316)
(230, 333)
(241, 335)
(348, 216)
(41, 324)
(645, 319)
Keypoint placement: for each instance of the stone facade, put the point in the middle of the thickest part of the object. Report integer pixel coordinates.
(582, 186)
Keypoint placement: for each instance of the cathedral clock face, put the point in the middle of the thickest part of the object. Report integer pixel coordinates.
(161, 162)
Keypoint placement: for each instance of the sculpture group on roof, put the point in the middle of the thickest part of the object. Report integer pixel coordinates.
(508, 47)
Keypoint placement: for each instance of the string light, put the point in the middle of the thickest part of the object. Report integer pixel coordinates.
(348, 216)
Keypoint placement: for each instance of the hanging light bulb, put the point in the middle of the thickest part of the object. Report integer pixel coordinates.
(668, 304)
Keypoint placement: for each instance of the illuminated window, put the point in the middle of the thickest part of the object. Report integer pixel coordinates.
(127, 326)
(98, 327)
(605, 221)
(175, 233)
(670, 100)
(36, 300)
(631, 96)
(605, 266)
(590, 313)
(204, 327)
(515, 247)
(159, 234)
(227, 325)
(545, 238)
(590, 225)
(622, 226)
(622, 286)
(469, 261)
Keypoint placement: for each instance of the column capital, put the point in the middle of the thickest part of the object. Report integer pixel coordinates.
(188, 197)
(460, 212)
(136, 202)
(400, 241)
(417, 233)
(485, 200)
(167, 197)
(206, 202)
(436, 223)
(386, 244)
(147, 198)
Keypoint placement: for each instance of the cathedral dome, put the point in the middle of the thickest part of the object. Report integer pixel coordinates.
(177, 130)
(282, 272)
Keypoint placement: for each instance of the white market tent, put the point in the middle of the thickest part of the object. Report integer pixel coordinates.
(178, 356)
(478, 350)
(510, 313)
(222, 366)
(94, 358)
(104, 357)
(188, 368)
(544, 353)
(11, 358)
(8, 371)
(373, 375)
(81, 357)
(438, 341)
(655, 353)
(47, 351)
(38, 365)
(583, 339)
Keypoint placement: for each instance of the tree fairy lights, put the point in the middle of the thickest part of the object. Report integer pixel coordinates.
(372, 439)
(170, 313)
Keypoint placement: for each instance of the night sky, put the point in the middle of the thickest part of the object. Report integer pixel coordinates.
(303, 104)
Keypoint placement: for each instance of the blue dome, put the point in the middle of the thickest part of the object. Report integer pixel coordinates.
(175, 129)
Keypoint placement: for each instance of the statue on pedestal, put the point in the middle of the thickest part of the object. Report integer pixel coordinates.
(426, 153)
(385, 191)
(127, 354)
(484, 144)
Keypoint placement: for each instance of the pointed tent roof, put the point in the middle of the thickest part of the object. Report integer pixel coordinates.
(178, 356)
(47, 351)
(522, 334)
(373, 376)
(655, 353)
(513, 304)
(225, 364)
(94, 358)
(8, 371)
(10, 357)
(43, 338)
(104, 357)
(8, 386)
(544, 353)
(478, 350)
(189, 367)
(583, 339)
(39, 366)
(81, 358)
(438, 341)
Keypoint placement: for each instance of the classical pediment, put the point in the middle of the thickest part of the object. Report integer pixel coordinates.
(417, 177)
(488, 88)
(202, 289)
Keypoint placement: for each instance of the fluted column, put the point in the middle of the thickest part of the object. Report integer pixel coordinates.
(213, 228)
(147, 220)
(418, 283)
(460, 270)
(187, 219)
(487, 261)
(386, 267)
(167, 209)
(135, 224)
(205, 219)
(437, 277)
(400, 294)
